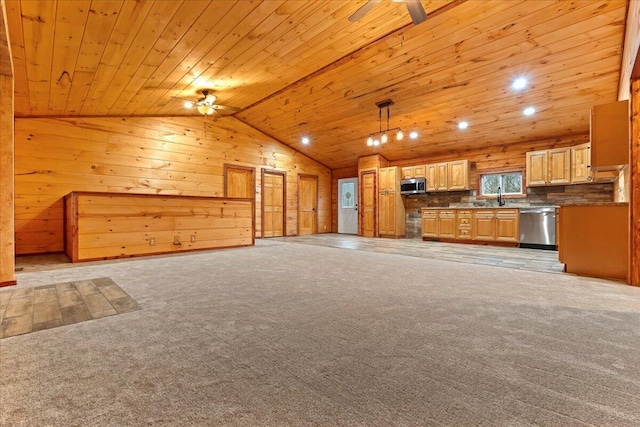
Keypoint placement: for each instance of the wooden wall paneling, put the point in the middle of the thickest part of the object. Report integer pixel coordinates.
(634, 165)
(631, 49)
(7, 221)
(109, 225)
(13, 21)
(169, 156)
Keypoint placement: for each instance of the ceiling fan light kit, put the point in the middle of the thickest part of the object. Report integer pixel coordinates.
(382, 135)
(206, 104)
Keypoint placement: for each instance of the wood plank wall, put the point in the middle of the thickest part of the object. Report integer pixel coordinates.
(168, 156)
(7, 257)
(113, 225)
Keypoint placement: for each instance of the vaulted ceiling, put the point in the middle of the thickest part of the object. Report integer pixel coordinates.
(301, 68)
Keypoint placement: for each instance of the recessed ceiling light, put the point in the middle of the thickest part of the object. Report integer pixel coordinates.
(529, 111)
(463, 125)
(519, 83)
(305, 140)
(413, 135)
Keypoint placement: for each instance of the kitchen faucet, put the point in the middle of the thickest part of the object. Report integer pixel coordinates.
(501, 201)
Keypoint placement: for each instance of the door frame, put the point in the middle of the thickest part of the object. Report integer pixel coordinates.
(338, 201)
(304, 175)
(284, 199)
(228, 166)
(373, 172)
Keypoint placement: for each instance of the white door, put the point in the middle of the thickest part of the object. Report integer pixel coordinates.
(348, 206)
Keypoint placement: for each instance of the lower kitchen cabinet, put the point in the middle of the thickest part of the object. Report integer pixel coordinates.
(594, 240)
(482, 225)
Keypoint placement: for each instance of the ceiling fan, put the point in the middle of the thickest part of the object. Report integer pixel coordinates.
(417, 12)
(206, 104)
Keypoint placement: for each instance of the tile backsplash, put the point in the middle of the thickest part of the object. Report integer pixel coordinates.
(536, 196)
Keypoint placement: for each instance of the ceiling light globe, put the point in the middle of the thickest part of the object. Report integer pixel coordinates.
(399, 135)
(188, 104)
(384, 138)
(519, 83)
(376, 142)
(369, 141)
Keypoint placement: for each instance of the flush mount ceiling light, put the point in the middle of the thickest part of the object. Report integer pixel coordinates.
(206, 104)
(382, 136)
(463, 125)
(529, 111)
(519, 83)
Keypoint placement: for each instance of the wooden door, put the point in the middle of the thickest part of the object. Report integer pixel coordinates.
(239, 181)
(537, 168)
(581, 163)
(273, 206)
(559, 166)
(368, 204)
(307, 204)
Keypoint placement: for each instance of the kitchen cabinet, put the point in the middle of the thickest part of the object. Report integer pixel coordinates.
(458, 175)
(594, 240)
(610, 135)
(581, 163)
(507, 227)
(409, 172)
(464, 224)
(482, 225)
(430, 223)
(391, 216)
(548, 167)
(447, 223)
(437, 175)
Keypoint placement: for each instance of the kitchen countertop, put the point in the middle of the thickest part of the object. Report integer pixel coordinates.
(596, 204)
(487, 207)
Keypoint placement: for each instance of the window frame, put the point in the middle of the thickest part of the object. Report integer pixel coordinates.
(500, 171)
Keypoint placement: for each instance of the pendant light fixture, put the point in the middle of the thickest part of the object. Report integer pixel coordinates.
(382, 136)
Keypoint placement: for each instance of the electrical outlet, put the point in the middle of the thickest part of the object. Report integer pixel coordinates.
(152, 241)
(176, 240)
(193, 238)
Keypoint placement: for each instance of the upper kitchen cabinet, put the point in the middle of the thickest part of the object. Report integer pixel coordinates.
(459, 175)
(581, 164)
(610, 135)
(549, 167)
(409, 172)
(438, 177)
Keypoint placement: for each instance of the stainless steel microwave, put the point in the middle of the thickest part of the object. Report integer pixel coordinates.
(413, 186)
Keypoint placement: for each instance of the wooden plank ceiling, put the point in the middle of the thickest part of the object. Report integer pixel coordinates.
(300, 68)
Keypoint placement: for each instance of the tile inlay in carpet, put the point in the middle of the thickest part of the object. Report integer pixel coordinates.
(26, 310)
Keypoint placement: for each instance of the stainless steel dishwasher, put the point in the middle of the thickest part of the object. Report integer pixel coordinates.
(538, 228)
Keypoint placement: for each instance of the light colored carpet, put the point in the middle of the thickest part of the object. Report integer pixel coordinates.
(291, 334)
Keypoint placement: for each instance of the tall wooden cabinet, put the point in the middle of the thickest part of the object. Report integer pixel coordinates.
(391, 217)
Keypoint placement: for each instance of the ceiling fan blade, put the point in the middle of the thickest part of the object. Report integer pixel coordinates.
(225, 107)
(418, 15)
(363, 10)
